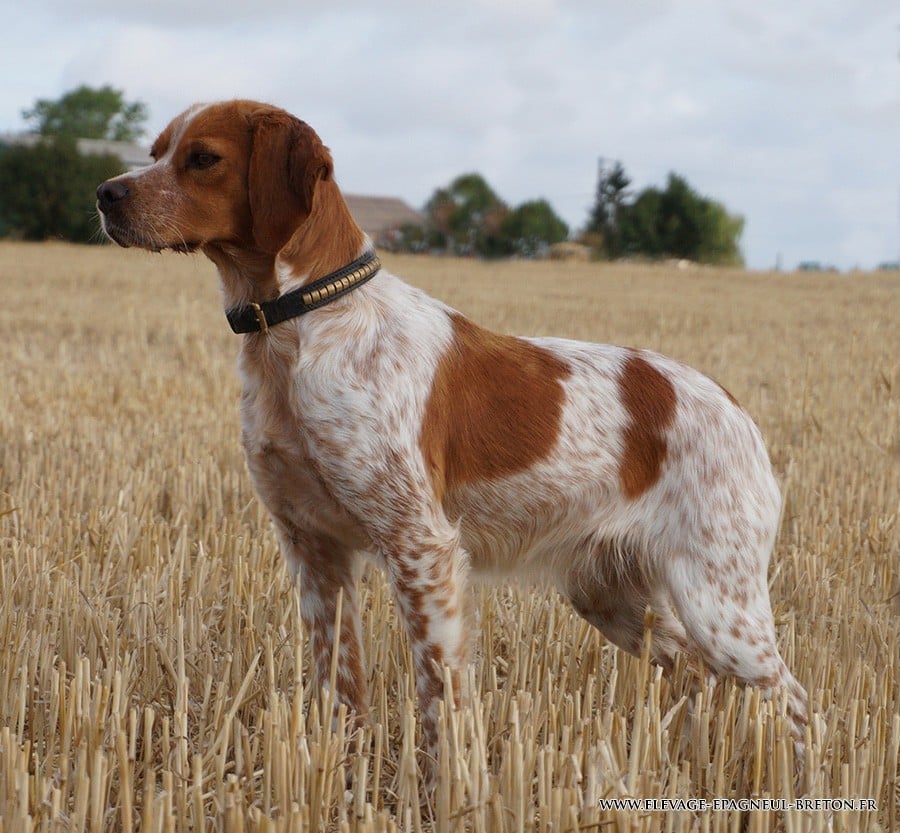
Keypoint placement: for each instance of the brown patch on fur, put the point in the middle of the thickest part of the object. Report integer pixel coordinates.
(649, 398)
(328, 239)
(298, 210)
(495, 407)
(286, 162)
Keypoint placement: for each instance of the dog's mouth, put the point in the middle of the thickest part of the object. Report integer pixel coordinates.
(185, 247)
(127, 238)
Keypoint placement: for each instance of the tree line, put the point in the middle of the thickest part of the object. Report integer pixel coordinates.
(47, 192)
(468, 218)
(670, 222)
(47, 188)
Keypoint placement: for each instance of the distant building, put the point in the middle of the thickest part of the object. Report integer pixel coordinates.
(132, 156)
(382, 218)
(815, 266)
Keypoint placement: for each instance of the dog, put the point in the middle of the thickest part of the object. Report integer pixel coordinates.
(378, 422)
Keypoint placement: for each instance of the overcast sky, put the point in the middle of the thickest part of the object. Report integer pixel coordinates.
(787, 112)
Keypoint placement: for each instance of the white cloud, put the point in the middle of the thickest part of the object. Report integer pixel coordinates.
(787, 113)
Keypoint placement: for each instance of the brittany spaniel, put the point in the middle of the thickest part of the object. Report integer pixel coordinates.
(378, 422)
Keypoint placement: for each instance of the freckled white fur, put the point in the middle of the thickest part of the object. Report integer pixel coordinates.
(360, 379)
(332, 411)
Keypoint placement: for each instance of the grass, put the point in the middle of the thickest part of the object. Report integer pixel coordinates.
(153, 674)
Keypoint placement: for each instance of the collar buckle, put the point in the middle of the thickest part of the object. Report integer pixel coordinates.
(260, 317)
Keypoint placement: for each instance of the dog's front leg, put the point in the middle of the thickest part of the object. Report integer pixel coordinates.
(426, 569)
(327, 572)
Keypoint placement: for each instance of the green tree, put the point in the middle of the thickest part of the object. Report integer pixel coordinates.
(89, 113)
(678, 222)
(467, 217)
(532, 227)
(439, 211)
(47, 191)
(722, 233)
(611, 200)
(641, 231)
(410, 237)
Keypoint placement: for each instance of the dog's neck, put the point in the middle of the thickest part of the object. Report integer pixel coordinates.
(328, 239)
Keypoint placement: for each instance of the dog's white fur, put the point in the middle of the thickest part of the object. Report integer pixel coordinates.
(385, 424)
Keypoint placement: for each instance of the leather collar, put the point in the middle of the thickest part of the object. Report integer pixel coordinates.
(257, 318)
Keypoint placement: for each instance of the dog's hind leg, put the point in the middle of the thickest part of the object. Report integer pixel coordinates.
(615, 602)
(724, 605)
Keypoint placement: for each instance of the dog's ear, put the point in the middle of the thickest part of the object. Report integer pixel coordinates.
(286, 161)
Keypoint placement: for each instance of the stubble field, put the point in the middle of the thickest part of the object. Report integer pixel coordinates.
(152, 663)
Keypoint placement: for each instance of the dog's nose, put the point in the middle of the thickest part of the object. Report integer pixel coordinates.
(110, 192)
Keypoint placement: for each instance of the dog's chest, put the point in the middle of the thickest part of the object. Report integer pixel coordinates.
(276, 434)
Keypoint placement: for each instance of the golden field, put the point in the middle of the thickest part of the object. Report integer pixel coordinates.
(152, 663)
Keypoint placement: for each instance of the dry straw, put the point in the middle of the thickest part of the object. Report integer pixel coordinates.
(152, 664)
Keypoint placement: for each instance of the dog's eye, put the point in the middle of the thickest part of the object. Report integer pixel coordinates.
(201, 160)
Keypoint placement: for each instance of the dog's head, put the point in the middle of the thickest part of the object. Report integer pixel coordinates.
(237, 174)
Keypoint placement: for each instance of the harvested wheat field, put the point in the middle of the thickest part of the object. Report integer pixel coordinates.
(153, 669)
